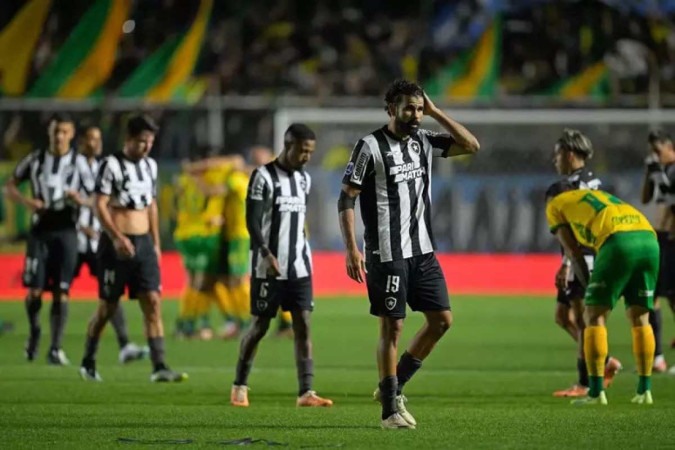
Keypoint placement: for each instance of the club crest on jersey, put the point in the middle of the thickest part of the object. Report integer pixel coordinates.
(303, 184)
(262, 305)
(390, 303)
(415, 147)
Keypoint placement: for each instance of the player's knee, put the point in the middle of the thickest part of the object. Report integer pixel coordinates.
(260, 326)
(562, 317)
(391, 328)
(35, 293)
(153, 310)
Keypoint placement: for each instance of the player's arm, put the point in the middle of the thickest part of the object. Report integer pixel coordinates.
(257, 194)
(463, 142)
(22, 173)
(346, 203)
(574, 253)
(653, 176)
(359, 169)
(153, 214)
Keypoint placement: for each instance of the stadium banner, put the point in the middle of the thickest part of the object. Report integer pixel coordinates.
(86, 59)
(466, 274)
(166, 73)
(18, 40)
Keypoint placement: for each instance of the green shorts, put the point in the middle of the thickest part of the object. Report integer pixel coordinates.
(627, 265)
(235, 257)
(200, 254)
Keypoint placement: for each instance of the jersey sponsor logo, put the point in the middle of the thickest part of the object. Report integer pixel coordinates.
(407, 171)
(290, 204)
(360, 168)
(390, 303)
(645, 293)
(257, 188)
(350, 169)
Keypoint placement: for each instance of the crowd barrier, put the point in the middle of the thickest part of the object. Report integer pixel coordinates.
(466, 274)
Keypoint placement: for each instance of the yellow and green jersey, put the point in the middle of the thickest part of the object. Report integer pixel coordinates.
(594, 216)
(235, 205)
(199, 214)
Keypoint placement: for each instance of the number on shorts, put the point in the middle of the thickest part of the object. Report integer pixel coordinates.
(263, 289)
(109, 277)
(31, 265)
(393, 282)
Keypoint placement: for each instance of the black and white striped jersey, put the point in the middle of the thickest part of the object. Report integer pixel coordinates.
(87, 217)
(665, 186)
(284, 194)
(584, 178)
(130, 184)
(394, 177)
(51, 177)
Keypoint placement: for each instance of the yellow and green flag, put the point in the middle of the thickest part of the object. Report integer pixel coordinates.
(166, 74)
(475, 73)
(17, 45)
(592, 82)
(86, 60)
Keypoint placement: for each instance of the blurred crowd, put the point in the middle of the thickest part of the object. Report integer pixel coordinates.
(351, 47)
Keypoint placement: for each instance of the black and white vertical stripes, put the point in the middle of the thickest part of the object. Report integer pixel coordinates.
(284, 194)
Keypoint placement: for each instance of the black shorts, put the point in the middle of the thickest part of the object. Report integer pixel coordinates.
(90, 259)
(267, 295)
(416, 281)
(665, 286)
(575, 291)
(50, 259)
(139, 274)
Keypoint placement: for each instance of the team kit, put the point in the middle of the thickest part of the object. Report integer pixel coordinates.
(241, 231)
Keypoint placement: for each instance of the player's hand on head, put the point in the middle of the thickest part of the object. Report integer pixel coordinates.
(429, 106)
(355, 266)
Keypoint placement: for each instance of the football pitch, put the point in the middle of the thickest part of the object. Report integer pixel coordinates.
(488, 385)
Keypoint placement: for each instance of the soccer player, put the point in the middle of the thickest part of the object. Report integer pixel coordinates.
(659, 186)
(129, 251)
(281, 261)
(236, 244)
(390, 169)
(197, 237)
(626, 264)
(88, 233)
(56, 175)
(259, 156)
(571, 152)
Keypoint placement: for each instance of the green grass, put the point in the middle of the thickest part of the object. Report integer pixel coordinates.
(488, 385)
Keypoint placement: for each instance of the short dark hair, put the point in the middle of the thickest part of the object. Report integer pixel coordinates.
(558, 188)
(299, 132)
(61, 117)
(575, 141)
(140, 123)
(86, 126)
(399, 88)
(658, 137)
